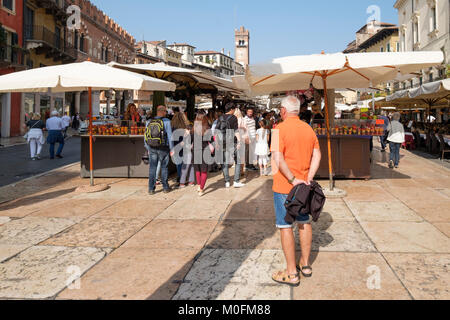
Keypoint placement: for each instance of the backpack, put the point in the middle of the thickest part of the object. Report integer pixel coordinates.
(155, 135)
(223, 125)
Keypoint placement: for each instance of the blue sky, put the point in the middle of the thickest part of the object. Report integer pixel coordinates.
(277, 28)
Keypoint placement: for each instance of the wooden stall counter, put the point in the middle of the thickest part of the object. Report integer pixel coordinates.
(350, 157)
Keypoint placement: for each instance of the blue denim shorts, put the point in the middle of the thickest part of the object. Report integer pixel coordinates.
(280, 212)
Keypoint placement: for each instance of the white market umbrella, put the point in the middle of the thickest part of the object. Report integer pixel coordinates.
(331, 71)
(84, 76)
(79, 77)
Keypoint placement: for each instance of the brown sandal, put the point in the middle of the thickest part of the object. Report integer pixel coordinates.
(300, 268)
(284, 278)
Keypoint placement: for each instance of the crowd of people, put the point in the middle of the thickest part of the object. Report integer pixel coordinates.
(215, 140)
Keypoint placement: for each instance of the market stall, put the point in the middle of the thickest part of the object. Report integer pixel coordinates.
(350, 148)
(332, 71)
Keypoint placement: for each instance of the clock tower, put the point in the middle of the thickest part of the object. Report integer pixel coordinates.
(242, 43)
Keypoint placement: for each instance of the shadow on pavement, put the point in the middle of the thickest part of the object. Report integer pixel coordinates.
(243, 234)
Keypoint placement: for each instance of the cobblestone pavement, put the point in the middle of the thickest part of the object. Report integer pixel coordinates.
(388, 239)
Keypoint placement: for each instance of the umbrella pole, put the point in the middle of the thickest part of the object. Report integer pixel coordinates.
(330, 163)
(91, 157)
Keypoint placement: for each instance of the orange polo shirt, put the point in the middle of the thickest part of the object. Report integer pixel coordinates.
(296, 140)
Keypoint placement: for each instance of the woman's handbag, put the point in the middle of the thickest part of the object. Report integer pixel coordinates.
(26, 134)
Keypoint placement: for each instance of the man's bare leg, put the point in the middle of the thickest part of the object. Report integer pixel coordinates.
(305, 233)
(288, 244)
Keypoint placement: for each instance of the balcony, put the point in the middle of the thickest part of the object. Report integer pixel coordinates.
(43, 41)
(54, 7)
(12, 57)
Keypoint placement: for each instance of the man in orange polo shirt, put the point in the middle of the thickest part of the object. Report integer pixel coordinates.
(295, 160)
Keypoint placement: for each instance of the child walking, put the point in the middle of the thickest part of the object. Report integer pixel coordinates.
(262, 147)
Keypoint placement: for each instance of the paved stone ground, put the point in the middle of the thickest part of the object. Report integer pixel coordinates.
(127, 245)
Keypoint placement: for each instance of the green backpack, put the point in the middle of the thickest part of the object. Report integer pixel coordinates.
(155, 136)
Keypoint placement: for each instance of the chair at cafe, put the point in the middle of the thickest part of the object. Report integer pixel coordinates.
(428, 142)
(444, 147)
(418, 139)
(434, 144)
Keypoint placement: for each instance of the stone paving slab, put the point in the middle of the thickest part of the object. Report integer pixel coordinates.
(444, 227)
(412, 193)
(382, 211)
(173, 234)
(432, 211)
(98, 232)
(135, 209)
(354, 271)
(434, 183)
(252, 210)
(41, 272)
(336, 209)
(8, 251)
(24, 207)
(135, 274)
(73, 208)
(339, 236)
(407, 237)
(367, 193)
(196, 209)
(234, 275)
(425, 275)
(113, 193)
(32, 230)
(4, 220)
(237, 234)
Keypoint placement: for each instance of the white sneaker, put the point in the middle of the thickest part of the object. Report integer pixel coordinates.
(238, 185)
(227, 185)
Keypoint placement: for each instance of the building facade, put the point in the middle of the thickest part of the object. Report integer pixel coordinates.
(365, 33)
(187, 51)
(224, 63)
(425, 26)
(12, 59)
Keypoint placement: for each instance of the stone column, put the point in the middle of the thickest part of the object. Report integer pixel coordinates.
(22, 113)
(77, 102)
(108, 101)
(331, 106)
(438, 115)
(6, 115)
(37, 103)
(52, 102)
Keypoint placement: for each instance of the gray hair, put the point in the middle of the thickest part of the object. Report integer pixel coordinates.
(291, 103)
(54, 113)
(396, 116)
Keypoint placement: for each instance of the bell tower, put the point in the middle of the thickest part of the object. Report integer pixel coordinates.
(242, 42)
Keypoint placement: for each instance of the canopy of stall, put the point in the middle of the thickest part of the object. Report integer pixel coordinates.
(184, 78)
(433, 94)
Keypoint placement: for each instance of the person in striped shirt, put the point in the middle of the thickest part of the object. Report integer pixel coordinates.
(250, 150)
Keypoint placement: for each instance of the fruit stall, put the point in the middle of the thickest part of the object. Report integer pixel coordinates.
(350, 145)
(118, 151)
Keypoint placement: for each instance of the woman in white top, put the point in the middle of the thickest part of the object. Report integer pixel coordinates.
(243, 132)
(396, 138)
(35, 136)
(262, 147)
